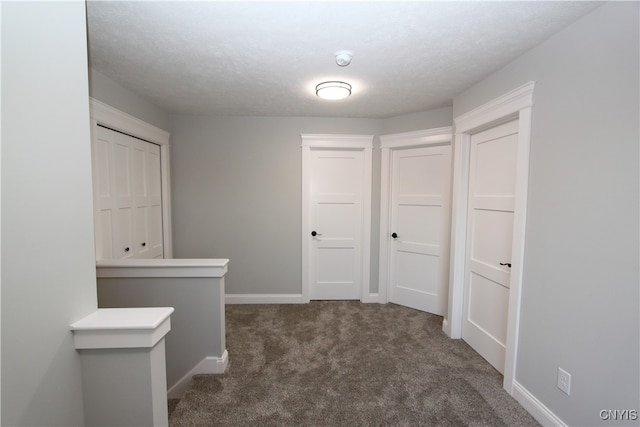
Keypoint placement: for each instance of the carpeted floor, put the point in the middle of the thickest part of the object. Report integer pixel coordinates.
(344, 363)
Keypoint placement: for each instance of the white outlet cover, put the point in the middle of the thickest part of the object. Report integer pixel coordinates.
(564, 381)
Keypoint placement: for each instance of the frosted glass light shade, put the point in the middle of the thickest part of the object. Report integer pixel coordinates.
(333, 90)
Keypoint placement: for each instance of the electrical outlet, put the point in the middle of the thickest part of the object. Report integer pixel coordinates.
(564, 381)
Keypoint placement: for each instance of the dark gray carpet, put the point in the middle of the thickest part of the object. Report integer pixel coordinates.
(344, 363)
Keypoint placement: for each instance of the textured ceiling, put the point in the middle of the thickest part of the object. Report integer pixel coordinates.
(265, 58)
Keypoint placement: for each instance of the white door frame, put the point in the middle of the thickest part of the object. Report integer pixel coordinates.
(103, 114)
(388, 143)
(516, 104)
(336, 141)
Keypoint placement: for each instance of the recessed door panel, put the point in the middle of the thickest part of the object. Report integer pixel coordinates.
(154, 193)
(104, 226)
(336, 220)
(123, 236)
(420, 223)
(335, 173)
(490, 227)
(155, 231)
(103, 165)
(335, 265)
(155, 181)
(421, 173)
(416, 272)
(122, 166)
(488, 306)
(142, 246)
(495, 166)
(140, 173)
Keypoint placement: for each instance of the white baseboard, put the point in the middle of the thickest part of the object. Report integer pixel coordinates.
(285, 299)
(536, 408)
(446, 328)
(208, 365)
(374, 298)
(264, 299)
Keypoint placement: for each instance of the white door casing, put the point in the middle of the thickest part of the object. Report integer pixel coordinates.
(336, 206)
(493, 154)
(516, 104)
(159, 214)
(416, 169)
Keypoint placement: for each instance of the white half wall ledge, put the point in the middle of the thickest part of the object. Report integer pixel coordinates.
(122, 328)
(173, 267)
(208, 365)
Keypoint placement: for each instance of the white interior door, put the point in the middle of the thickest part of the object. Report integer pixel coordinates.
(147, 199)
(419, 227)
(335, 237)
(492, 173)
(128, 196)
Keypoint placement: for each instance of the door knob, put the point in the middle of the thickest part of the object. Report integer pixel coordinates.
(508, 264)
(394, 235)
(314, 234)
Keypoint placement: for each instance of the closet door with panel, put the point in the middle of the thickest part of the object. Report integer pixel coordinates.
(127, 193)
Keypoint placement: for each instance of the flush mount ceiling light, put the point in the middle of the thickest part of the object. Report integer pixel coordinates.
(333, 90)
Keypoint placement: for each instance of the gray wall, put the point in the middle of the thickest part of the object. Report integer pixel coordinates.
(237, 191)
(48, 261)
(197, 324)
(125, 386)
(580, 290)
(117, 96)
(436, 118)
(237, 194)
